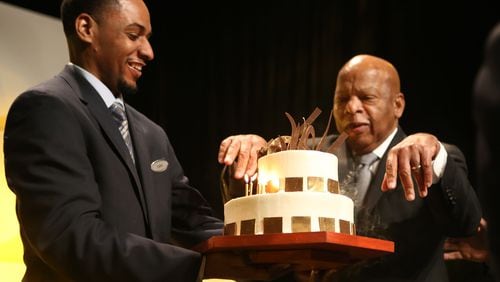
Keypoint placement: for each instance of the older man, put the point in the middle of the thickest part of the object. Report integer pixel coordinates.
(367, 106)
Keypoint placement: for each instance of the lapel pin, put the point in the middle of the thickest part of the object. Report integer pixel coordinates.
(159, 165)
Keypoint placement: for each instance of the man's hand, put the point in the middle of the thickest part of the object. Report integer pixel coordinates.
(242, 149)
(411, 157)
(472, 248)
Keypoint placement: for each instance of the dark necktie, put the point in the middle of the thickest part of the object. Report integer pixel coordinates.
(363, 176)
(118, 112)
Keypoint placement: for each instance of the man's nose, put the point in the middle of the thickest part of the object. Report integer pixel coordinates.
(146, 51)
(353, 105)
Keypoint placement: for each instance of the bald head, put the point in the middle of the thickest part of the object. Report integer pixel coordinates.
(367, 102)
(373, 66)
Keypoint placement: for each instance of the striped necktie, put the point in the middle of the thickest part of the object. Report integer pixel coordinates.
(118, 112)
(363, 176)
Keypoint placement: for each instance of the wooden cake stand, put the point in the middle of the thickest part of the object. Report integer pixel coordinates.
(269, 256)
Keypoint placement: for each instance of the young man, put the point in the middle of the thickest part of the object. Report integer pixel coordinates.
(100, 193)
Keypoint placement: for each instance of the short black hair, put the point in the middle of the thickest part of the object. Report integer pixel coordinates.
(70, 9)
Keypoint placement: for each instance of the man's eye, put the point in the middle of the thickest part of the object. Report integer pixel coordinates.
(342, 100)
(133, 36)
(368, 97)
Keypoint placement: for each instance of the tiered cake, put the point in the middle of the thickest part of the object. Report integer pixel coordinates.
(297, 191)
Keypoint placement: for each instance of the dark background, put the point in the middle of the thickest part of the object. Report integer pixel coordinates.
(228, 67)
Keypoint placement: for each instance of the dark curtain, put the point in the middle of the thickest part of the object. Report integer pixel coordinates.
(228, 67)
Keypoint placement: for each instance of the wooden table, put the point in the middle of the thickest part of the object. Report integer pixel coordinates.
(268, 256)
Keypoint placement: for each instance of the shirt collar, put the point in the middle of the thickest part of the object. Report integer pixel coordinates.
(100, 87)
(380, 150)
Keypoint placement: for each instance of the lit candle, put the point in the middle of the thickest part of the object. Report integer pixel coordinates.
(246, 185)
(252, 179)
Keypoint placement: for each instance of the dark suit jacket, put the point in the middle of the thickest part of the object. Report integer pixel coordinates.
(86, 212)
(418, 228)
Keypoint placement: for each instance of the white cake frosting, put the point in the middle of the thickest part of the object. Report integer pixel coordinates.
(297, 192)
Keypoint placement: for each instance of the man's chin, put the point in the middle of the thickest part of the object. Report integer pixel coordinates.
(359, 142)
(356, 136)
(127, 88)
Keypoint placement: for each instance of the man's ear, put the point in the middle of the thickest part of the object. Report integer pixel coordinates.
(85, 27)
(399, 104)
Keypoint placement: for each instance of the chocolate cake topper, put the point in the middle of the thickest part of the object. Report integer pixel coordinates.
(303, 137)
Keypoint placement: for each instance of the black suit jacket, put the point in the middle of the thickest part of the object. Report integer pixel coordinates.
(418, 228)
(86, 212)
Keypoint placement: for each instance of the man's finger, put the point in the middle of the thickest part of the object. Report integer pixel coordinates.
(391, 168)
(419, 178)
(426, 162)
(252, 160)
(224, 146)
(243, 151)
(407, 182)
(404, 173)
(453, 256)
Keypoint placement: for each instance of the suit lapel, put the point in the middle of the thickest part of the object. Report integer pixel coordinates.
(374, 191)
(142, 161)
(89, 96)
